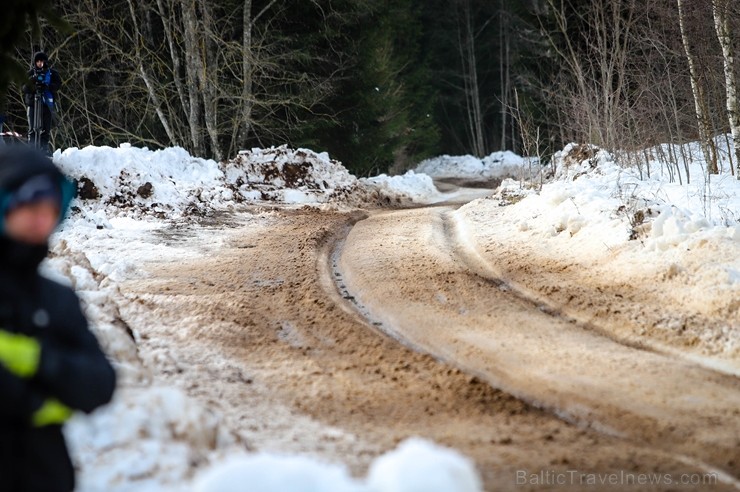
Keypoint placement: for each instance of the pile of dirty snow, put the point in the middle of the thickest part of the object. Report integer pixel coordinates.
(287, 175)
(170, 183)
(135, 181)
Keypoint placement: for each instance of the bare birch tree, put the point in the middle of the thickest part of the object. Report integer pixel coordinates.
(724, 35)
(700, 105)
(504, 71)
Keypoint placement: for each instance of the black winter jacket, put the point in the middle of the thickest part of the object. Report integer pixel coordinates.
(72, 369)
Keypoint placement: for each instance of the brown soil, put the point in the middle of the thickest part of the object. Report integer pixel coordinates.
(258, 329)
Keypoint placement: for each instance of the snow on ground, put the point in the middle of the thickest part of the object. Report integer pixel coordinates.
(497, 165)
(632, 229)
(169, 183)
(415, 466)
(150, 437)
(418, 186)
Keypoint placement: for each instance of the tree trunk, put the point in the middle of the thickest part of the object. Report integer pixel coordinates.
(722, 26)
(245, 124)
(175, 56)
(208, 78)
(504, 73)
(193, 65)
(698, 91)
(466, 45)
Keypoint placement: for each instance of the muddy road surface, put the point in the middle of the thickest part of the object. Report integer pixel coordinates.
(339, 334)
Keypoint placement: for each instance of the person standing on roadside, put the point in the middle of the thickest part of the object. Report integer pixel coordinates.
(50, 362)
(43, 82)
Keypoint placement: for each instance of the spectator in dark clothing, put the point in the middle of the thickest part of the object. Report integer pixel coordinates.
(50, 362)
(43, 82)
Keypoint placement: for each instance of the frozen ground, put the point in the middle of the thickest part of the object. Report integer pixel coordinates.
(145, 211)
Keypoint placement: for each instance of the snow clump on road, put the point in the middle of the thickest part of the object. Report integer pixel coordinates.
(498, 165)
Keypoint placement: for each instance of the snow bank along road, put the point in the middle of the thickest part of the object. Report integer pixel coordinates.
(292, 332)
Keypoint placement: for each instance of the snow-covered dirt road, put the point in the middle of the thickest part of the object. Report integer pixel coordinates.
(260, 326)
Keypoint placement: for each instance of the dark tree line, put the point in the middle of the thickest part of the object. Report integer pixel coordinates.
(381, 84)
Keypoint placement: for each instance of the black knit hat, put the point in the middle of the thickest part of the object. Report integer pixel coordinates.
(40, 55)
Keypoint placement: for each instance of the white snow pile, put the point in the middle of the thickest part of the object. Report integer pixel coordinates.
(664, 212)
(416, 465)
(592, 190)
(418, 186)
(147, 437)
(623, 227)
(170, 183)
(586, 193)
(497, 165)
(419, 466)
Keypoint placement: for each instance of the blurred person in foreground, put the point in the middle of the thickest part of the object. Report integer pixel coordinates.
(50, 362)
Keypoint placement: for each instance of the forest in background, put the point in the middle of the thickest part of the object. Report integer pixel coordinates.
(382, 84)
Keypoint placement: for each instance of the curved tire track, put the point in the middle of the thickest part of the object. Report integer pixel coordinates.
(410, 274)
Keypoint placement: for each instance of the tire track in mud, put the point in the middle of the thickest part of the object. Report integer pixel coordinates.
(256, 329)
(413, 277)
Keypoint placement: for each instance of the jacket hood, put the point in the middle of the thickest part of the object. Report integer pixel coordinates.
(18, 164)
(40, 55)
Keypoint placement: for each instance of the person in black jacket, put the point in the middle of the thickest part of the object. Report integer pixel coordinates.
(50, 362)
(43, 82)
